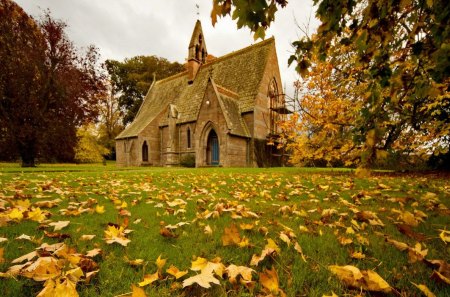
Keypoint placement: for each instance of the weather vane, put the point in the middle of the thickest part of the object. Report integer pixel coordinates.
(198, 9)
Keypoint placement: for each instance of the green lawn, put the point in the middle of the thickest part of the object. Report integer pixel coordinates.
(330, 214)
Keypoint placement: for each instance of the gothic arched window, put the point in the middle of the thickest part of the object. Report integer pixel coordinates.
(188, 137)
(145, 152)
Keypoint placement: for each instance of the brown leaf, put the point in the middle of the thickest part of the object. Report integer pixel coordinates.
(167, 233)
(56, 235)
(231, 236)
(408, 231)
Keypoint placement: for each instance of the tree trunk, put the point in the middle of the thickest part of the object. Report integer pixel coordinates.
(27, 151)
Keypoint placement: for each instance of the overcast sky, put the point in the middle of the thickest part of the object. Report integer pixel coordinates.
(127, 28)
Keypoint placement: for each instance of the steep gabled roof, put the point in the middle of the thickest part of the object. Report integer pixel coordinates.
(239, 72)
(231, 111)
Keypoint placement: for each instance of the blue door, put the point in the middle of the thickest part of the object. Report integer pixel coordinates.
(213, 148)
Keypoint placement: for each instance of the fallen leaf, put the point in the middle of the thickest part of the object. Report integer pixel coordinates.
(234, 271)
(416, 254)
(203, 279)
(94, 252)
(59, 225)
(444, 235)
(148, 279)
(424, 290)
(298, 248)
(160, 263)
(269, 280)
(199, 264)
(167, 233)
(24, 237)
(99, 209)
(87, 237)
(367, 279)
(137, 292)
(174, 271)
(408, 231)
(440, 277)
(207, 230)
(231, 236)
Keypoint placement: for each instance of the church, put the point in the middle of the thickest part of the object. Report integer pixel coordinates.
(221, 111)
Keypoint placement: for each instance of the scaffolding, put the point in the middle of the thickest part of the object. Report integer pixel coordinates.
(280, 106)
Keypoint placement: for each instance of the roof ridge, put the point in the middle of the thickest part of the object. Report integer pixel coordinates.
(172, 77)
(241, 51)
(218, 59)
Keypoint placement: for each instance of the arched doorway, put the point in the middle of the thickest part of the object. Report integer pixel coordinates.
(145, 152)
(212, 149)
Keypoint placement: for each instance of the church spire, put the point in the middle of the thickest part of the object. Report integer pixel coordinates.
(197, 51)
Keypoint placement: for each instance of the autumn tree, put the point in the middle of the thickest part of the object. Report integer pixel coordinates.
(110, 120)
(321, 132)
(89, 149)
(132, 78)
(47, 88)
(402, 53)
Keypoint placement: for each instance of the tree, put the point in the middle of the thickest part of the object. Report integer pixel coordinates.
(47, 88)
(132, 78)
(110, 120)
(88, 148)
(321, 132)
(402, 52)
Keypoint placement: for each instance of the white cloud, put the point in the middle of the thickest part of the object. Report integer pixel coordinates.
(126, 28)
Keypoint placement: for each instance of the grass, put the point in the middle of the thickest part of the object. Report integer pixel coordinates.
(282, 197)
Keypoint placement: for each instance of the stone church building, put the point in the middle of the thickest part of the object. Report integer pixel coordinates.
(220, 112)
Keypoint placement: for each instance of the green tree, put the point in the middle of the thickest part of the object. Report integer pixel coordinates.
(132, 78)
(402, 53)
(47, 88)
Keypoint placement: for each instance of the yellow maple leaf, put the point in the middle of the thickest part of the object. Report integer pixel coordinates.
(42, 269)
(416, 254)
(99, 209)
(148, 279)
(59, 288)
(137, 292)
(199, 264)
(269, 280)
(424, 290)
(374, 282)
(160, 263)
(444, 235)
(174, 271)
(357, 255)
(116, 234)
(36, 215)
(16, 214)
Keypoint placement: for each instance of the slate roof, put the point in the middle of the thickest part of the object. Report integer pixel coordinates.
(237, 75)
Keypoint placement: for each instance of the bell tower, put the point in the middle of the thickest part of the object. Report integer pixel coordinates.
(197, 52)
